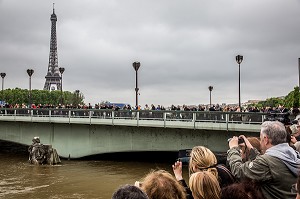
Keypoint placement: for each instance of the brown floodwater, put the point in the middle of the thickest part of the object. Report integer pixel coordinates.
(92, 177)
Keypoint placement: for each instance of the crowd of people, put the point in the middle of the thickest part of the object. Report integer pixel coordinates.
(264, 167)
(184, 107)
(217, 112)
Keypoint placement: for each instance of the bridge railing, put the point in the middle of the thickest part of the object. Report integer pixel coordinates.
(166, 115)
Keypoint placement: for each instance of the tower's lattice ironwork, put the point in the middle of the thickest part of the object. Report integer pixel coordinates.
(53, 78)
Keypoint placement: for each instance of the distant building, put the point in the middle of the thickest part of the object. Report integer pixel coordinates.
(249, 102)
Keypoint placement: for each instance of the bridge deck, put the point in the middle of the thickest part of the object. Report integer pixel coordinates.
(79, 133)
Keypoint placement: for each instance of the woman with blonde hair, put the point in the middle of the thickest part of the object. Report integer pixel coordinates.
(203, 159)
(161, 184)
(204, 185)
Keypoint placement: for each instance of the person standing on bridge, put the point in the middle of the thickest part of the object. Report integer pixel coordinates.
(276, 170)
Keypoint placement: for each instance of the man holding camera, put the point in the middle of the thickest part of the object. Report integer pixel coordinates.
(276, 170)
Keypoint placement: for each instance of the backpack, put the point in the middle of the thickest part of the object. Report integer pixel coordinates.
(225, 176)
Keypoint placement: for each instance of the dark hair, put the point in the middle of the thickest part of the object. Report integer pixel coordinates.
(129, 192)
(245, 190)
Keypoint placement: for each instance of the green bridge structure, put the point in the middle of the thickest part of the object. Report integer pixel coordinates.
(77, 133)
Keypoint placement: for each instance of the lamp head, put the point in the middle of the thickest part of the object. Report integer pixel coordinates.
(136, 65)
(30, 72)
(61, 70)
(3, 75)
(239, 59)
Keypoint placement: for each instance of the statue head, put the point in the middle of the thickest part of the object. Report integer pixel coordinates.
(36, 140)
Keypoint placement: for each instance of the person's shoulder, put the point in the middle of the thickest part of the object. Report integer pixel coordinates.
(266, 159)
(297, 144)
(225, 174)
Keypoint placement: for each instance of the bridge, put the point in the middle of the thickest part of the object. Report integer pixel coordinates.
(77, 133)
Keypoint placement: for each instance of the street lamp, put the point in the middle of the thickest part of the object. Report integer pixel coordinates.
(136, 66)
(61, 70)
(2, 75)
(239, 59)
(299, 71)
(30, 72)
(210, 88)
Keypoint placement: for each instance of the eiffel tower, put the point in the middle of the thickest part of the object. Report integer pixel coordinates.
(53, 77)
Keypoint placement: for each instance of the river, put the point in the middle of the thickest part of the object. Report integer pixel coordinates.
(92, 177)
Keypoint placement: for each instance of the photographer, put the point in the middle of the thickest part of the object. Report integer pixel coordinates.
(278, 160)
(249, 147)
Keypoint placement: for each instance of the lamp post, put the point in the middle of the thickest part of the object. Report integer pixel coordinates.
(299, 71)
(2, 75)
(30, 72)
(239, 59)
(136, 66)
(61, 70)
(210, 88)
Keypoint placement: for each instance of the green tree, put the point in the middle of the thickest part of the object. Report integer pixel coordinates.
(292, 99)
(271, 102)
(20, 96)
(296, 97)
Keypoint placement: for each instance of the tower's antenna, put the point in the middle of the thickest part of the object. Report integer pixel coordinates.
(53, 8)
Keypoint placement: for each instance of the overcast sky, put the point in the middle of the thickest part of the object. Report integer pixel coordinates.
(183, 46)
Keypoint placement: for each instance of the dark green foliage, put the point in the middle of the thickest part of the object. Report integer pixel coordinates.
(20, 96)
(296, 97)
(292, 100)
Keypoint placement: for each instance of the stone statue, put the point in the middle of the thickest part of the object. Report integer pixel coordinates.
(42, 154)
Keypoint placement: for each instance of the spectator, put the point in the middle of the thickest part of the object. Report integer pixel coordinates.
(241, 190)
(295, 130)
(290, 138)
(161, 184)
(129, 192)
(250, 148)
(203, 159)
(276, 170)
(204, 185)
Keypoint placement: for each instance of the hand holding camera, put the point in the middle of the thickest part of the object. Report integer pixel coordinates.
(240, 140)
(233, 142)
(236, 141)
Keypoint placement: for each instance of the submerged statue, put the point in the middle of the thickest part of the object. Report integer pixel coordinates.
(42, 154)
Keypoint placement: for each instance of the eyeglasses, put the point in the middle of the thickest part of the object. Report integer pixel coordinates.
(294, 188)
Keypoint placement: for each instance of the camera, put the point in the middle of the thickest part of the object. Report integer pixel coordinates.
(240, 140)
(184, 160)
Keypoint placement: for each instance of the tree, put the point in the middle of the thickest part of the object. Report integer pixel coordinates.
(292, 99)
(296, 97)
(20, 96)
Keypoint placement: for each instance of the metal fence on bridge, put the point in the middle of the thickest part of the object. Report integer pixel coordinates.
(166, 115)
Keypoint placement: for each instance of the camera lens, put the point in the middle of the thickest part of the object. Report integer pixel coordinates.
(241, 140)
